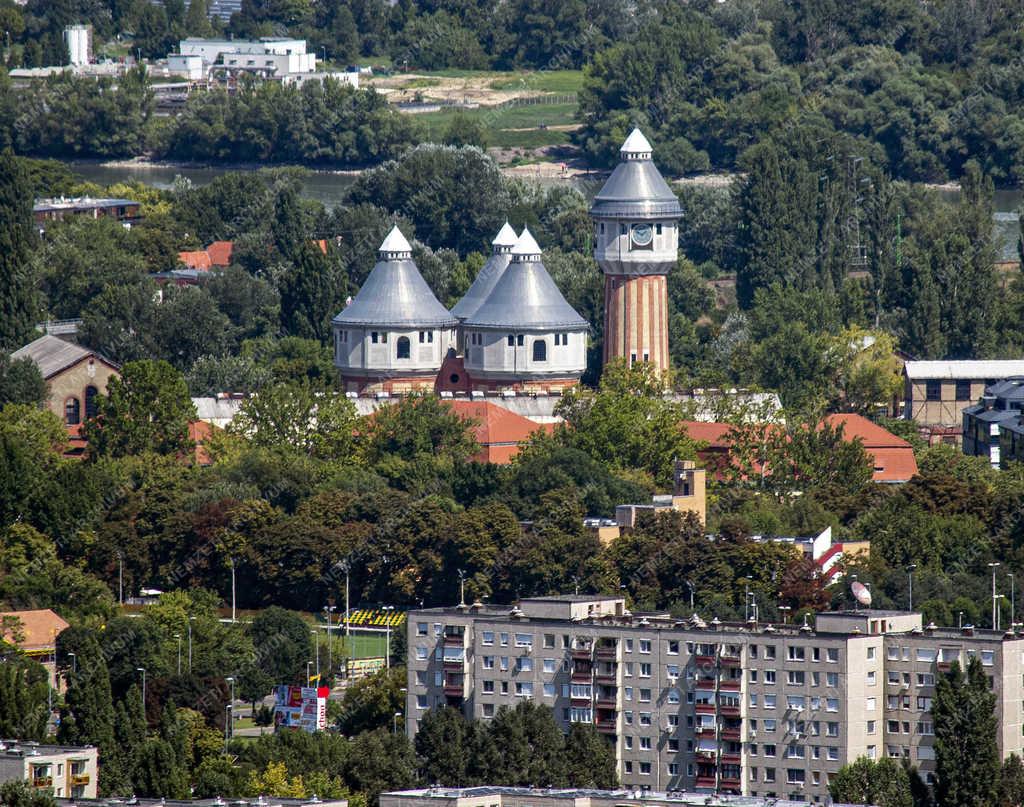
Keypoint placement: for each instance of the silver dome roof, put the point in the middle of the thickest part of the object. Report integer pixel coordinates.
(490, 273)
(525, 297)
(395, 293)
(636, 186)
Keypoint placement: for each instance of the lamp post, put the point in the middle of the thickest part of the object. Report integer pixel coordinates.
(316, 647)
(394, 725)
(143, 671)
(387, 644)
(462, 587)
(191, 619)
(910, 586)
(308, 665)
(74, 662)
(689, 585)
(995, 612)
(1013, 601)
(178, 637)
(227, 725)
(231, 560)
(785, 613)
(120, 577)
(231, 705)
(960, 618)
(329, 611)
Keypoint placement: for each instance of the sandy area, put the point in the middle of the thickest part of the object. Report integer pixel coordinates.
(469, 90)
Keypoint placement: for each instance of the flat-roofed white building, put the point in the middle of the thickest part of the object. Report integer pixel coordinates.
(61, 770)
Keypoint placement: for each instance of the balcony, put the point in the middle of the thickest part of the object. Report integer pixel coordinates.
(731, 782)
(580, 654)
(455, 639)
(731, 685)
(42, 781)
(607, 652)
(704, 660)
(607, 701)
(704, 708)
(706, 755)
(730, 733)
(706, 781)
(729, 709)
(454, 664)
(457, 690)
(609, 675)
(606, 726)
(706, 730)
(731, 758)
(730, 660)
(580, 676)
(79, 779)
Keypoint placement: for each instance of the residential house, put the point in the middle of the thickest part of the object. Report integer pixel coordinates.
(56, 209)
(35, 634)
(500, 796)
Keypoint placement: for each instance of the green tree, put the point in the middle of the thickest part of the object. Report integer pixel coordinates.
(18, 304)
(147, 409)
(372, 702)
(1011, 782)
(21, 382)
(380, 760)
(299, 415)
(883, 782)
(589, 758)
(281, 639)
(465, 131)
(441, 744)
(531, 744)
(966, 754)
(19, 793)
(87, 716)
(157, 771)
(24, 688)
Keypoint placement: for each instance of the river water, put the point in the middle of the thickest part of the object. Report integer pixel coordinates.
(330, 189)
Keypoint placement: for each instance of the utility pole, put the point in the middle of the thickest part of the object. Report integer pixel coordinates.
(995, 602)
(232, 561)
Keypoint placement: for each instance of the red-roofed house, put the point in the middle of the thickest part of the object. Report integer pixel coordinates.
(894, 456)
(498, 431)
(220, 253)
(35, 634)
(197, 259)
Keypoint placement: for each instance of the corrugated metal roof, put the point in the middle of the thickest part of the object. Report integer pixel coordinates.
(489, 275)
(964, 369)
(395, 293)
(636, 187)
(525, 297)
(51, 355)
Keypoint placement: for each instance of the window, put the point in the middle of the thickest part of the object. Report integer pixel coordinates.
(421, 628)
(769, 774)
(926, 654)
(871, 678)
(963, 390)
(549, 690)
(673, 696)
(524, 640)
(672, 744)
(488, 687)
(421, 652)
(769, 701)
(673, 769)
(402, 348)
(488, 662)
(524, 689)
(657, 229)
(796, 654)
(580, 690)
(869, 704)
(645, 670)
(645, 718)
(769, 677)
(549, 641)
(72, 415)
(893, 653)
(832, 654)
(831, 679)
(90, 401)
(503, 638)
(871, 653)
(769, 749)
(426, 337)
(627, 669)
(832, 704)
(833, 753)
(421, 701)
(488, 710)
(549, 665)
(987, 658)
(524, 664)
(421, 678)
(487, 637)
(753, 699)
(503, 663)
(795, 776)
(645, 645)
(645, 743)
(795, 702)
(645, 696)
(673, 647)
(933, 390)
(673, 720)
(672, 670)
(831, 730)
(794, 751)
(511, 340)
(871, 726)
(795, 677)
(924, 704)
(770, 725)
(926, 679)
(926, 728)
(540, 350)
(645, 768)
(769, 652)
(752, 676)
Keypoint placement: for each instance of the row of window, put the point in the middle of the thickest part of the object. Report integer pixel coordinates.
(933, 390)
(945, 655)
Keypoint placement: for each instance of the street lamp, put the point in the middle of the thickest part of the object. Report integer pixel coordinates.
(1013, 601)
(387, 645)
(394, 728)
(316, 645)
(143, 671)
(785, 613)
(178, 637)
(74, 662)
(227, 725)
(231, 560)
(329, 611)
(689, 585)
(910, 586)
(995, 613)
(231, 703)
(308, 665)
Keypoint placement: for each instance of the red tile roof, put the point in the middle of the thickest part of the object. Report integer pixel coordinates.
(198, 260)
(220, 252)
(498, 431)
(40, 629)
(894, 456)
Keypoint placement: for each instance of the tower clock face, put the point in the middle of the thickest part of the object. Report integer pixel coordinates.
(641, 235)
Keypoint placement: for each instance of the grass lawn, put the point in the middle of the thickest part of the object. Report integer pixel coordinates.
(557, 81)
(501, 123)
(364, 645)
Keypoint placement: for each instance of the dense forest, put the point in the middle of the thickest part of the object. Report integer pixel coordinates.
(917, 90)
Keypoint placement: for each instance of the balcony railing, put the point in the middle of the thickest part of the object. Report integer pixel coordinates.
(706, 781)
(730, 685)
(606, 726)
(729, 709)
(704, 708)
(730, 733)
(731, 758)
(606, 652)
(580, 653)
(704, 660)
(730, 661)
(78, 779)
(42, 781)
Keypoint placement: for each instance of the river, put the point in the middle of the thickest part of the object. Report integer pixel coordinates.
(330, 189)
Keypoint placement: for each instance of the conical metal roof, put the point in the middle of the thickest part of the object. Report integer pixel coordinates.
(395, 293)
(525, 297)
(490, 273)
(636, 187)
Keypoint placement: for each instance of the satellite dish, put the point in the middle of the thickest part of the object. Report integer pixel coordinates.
(861, 593)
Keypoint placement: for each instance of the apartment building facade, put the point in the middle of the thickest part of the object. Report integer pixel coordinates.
(753, 709)
(59, 770)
